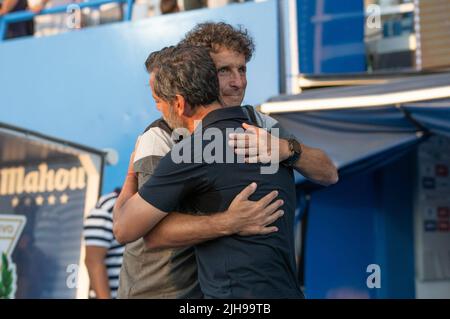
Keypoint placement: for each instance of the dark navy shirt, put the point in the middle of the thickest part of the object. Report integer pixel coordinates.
(234, 266)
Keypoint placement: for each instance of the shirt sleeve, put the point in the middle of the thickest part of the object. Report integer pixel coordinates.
(269, 124)
(98, 229)
(153, 145)
(173, 184)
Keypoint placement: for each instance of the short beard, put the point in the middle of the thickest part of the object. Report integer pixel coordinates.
(173, 119)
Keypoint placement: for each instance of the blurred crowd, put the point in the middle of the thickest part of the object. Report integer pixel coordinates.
(49, 24)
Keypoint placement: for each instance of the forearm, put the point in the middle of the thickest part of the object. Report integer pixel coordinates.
(120, 228)
(178, 230)
(129, 188)
(314, 163)
(316, 166)
(98, 276)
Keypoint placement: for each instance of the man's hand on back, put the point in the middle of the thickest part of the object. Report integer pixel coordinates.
(246, 217)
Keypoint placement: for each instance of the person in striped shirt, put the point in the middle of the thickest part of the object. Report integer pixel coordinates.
(103, 253)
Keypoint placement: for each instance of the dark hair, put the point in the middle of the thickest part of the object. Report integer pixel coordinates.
(213, 36)
(154, 58)
(187, 71)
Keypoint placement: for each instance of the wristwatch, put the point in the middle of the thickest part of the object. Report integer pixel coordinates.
(295, 148)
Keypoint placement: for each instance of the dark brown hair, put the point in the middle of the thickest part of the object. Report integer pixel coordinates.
(213, 36)
(188, 71)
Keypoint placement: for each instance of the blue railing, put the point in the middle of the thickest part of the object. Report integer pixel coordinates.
(20, 16)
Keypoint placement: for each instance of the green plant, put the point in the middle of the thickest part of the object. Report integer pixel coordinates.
(6, 278)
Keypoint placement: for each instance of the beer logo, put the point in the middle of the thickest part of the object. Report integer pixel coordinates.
(15, 181)
(32, 184)
(11, 227)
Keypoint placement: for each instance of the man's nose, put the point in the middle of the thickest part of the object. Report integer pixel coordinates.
(236, 79)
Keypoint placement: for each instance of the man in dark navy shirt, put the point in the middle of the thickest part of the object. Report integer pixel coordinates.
(203, 174)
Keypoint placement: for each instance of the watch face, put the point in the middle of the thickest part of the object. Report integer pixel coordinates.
(296, 147)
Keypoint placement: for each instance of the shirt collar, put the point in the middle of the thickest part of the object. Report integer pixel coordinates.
(224, 113)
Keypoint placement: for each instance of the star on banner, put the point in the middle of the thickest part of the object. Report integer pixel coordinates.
(51, 200)
(39, 200)
(14, 202)
(64, 198)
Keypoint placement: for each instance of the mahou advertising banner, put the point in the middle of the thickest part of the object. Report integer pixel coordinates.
(46, 190)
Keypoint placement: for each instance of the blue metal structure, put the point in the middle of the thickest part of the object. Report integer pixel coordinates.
(368, 217)
(365, 219)
(331, 36)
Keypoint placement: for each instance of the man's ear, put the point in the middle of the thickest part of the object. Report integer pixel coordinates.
(180, 104)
